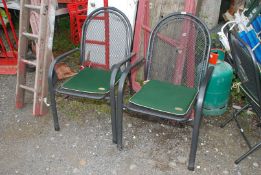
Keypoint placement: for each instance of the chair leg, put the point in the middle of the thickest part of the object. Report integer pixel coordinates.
(197, 119)
(119, 127)
(242, 132)
(254, 148)
(130, 85)
(194, 142)
(119, 119)
(227, 121)
(234, 114)
(113, 116)
(54, 110)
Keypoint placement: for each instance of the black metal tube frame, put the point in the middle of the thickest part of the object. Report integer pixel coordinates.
(102, 10)
(197, 120)
(115, 68)
(199, 102)
(252, 101)
(53, 90)
(51, 85)
(119, 107)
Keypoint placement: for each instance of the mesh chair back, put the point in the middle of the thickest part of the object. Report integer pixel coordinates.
(178, 50)
(106, 38)
(246, 66)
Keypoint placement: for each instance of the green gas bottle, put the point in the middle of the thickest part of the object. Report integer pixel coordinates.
(218, 91)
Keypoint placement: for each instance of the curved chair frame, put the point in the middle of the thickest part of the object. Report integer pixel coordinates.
(255, 102)
(52, 78)
(199, 101)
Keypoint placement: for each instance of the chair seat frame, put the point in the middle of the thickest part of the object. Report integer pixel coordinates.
(252, 102)
(52, 77)
(134, 108)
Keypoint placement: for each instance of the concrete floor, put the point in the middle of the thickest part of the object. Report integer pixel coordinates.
(30, 146)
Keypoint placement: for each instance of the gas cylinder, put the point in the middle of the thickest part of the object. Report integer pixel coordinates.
(218, 90)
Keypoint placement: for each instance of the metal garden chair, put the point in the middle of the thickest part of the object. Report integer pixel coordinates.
(176, 75)
(104, 52)
(248, 72)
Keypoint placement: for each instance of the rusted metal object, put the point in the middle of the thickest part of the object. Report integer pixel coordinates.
(8, 44)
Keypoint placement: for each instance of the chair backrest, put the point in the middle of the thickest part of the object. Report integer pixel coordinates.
(246, 66)
(106, 38)
(178, 50)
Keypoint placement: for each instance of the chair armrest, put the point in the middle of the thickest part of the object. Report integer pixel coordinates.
(55, 61)
(203, 87)
(124, 76)
(128, 58)
(116, 67)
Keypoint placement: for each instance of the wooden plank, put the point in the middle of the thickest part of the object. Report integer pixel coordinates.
(209, 9)
(210, 12)
(22, 51)
(37, 102)
(48, 56)
(172, 6)
(156, 8)
(161, 8)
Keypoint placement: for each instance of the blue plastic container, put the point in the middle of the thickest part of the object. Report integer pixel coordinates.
(252, 40)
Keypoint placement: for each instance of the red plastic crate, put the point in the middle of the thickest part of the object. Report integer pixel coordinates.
(77, 9)
(80, 20)
(69, 1)
(78, 14)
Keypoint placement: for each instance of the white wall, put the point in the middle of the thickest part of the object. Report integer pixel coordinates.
(129, 7)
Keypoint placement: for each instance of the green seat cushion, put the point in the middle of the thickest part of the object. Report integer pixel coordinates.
(165, 97)
(90, 80)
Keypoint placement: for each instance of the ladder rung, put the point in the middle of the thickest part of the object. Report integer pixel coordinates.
(30, 36)
(95, 42)
(35, 7)
(27, 88)
(33, 62)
